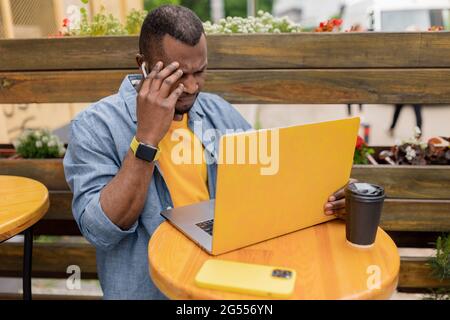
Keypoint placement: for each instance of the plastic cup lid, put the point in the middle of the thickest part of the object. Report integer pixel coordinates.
(366, 189)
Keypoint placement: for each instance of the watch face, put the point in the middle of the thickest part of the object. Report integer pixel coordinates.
(146, 152)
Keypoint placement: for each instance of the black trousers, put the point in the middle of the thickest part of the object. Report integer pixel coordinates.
(417, 111)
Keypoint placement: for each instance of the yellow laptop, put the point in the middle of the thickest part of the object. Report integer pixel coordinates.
(270, 182)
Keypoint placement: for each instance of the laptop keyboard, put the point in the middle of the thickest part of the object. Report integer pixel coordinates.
(206, 226)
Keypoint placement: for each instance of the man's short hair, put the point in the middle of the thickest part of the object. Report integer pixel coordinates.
(179, 22)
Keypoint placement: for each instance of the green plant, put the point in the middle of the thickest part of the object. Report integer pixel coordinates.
(152, 4)
(440, 264)
(102, 24)
(134, 21)
(361, 152)
(39, 144)
(438, 294)
(105, 24)
(440, 268)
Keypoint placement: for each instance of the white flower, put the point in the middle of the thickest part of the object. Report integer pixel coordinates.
(25, 135)
(51, 143)
(38, 144)
(264, 22)
(410, 153)
(38, 134)
(45, 139)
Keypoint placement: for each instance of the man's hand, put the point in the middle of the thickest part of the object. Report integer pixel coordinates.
(156, 102)
(336, 202)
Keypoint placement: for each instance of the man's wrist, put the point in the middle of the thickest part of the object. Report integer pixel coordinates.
(147, 139)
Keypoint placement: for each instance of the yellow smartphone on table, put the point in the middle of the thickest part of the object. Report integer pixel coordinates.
(254, 279)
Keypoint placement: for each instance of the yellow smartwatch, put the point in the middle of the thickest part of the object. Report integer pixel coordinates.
(144, 151)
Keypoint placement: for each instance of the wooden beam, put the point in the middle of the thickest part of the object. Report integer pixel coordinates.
(58, 12)
(123, 10)
(7, 20)
(308, 86)
(263, 51)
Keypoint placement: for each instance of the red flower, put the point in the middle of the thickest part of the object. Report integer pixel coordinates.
(66, 22)
(337, 22)
(359, 143)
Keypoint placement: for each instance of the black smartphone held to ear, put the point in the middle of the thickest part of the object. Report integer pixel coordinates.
(144, 69)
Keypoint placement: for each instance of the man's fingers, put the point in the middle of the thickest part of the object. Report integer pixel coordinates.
(147, 82)
(334, 205)
(175, 94)
(168, 83)
(340, 213)
(156, 68)
(163, 74)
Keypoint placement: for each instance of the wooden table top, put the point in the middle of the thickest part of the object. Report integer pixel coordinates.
(23, 202)
(327, 266)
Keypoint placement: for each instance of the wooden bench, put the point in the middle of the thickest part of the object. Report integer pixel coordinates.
(335, 68)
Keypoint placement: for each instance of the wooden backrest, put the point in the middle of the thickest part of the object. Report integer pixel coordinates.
(287, 68)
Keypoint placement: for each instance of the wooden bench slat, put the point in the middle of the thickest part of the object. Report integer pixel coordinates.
(305, 50)
(409, 182)
(308, 86)
(50, 260)
(413, 182)
(416, 215)
(415, 274)
(50, 172)
(398, 214)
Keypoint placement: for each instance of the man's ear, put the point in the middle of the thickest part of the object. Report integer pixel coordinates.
(139, 59)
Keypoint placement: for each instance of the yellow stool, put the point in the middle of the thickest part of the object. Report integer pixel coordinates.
(23, 202)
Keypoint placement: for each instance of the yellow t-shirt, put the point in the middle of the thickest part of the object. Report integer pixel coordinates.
(183, 166)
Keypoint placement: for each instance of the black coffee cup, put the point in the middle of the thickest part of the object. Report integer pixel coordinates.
(363, 204)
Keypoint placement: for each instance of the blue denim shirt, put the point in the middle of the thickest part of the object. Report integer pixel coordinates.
(99, 141)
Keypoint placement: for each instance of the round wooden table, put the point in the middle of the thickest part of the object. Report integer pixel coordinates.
(23, 202)
(327, 266)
